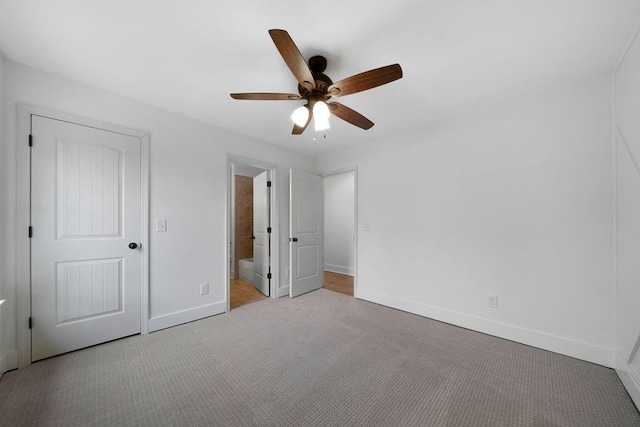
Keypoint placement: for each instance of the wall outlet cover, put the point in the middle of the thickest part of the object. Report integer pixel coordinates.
(204, 288)
(161, 225)
(492, 301)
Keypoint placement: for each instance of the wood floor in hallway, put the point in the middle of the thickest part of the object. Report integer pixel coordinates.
(338, 283)
(243, 293)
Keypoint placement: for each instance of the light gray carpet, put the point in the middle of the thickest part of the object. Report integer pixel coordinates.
(320, 359)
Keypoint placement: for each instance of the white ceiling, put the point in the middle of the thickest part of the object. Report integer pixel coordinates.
(187, 56)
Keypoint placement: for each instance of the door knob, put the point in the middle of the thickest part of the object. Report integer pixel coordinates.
(133, 245)
(295, 239)
(253, 237)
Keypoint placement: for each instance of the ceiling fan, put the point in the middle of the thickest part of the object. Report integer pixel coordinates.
(317, 88)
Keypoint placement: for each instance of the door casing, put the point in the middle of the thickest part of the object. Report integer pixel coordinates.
(273, 206)
(353, 169)
(23, 219)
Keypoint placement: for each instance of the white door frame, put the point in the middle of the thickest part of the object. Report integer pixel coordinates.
(23, 219)
(353, 169)
(273, 206)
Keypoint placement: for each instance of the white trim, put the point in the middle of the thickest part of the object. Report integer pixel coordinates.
(356, 234)
(232, 225)
(23, 215)
(23, 220)
(581, 350)
(614, 219)
(8, 361)
(184, 316)
(144, 209)
(274, 290)
(340, 269)
(629, 377)
(284, 291)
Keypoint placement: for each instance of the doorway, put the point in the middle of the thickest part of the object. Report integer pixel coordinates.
(250, 246)
(340, 228)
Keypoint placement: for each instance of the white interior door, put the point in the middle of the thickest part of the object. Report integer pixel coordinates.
(260, 232)
(305, 228)
(85, 212)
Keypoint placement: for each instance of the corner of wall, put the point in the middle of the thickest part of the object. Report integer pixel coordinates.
(173, 319)
(8, 361)
(626, 206)
(629, 377)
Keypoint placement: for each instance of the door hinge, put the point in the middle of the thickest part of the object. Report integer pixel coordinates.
(268, 229)
(30, 231)
(30, 140)
(268, 183)
(30, 323)
(269, 276)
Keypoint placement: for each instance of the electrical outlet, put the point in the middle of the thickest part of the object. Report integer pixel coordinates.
(204, 288)
(492, 301)
(161, 225)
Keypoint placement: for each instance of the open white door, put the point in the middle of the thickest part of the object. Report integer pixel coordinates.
(305, 233)
(261, 232)
(87, 227)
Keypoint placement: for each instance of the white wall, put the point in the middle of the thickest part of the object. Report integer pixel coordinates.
(339, 233)
(627, 291)
(515, 201)
(188, 185)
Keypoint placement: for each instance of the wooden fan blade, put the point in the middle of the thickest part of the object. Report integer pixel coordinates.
(297, 130)
(266, 96)
(293, 58)
(367, 80)
(349, 115)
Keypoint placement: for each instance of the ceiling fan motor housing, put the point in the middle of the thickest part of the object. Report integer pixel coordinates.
(317, 64)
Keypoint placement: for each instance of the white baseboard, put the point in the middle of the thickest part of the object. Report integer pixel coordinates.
(629, 377)
(580, 350)
(339, 269)
(180, 317)
(8, 361)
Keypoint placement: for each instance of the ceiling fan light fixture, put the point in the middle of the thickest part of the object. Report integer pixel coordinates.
(315, 87)
(321, 116)
(321, 124)
(300, 116)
